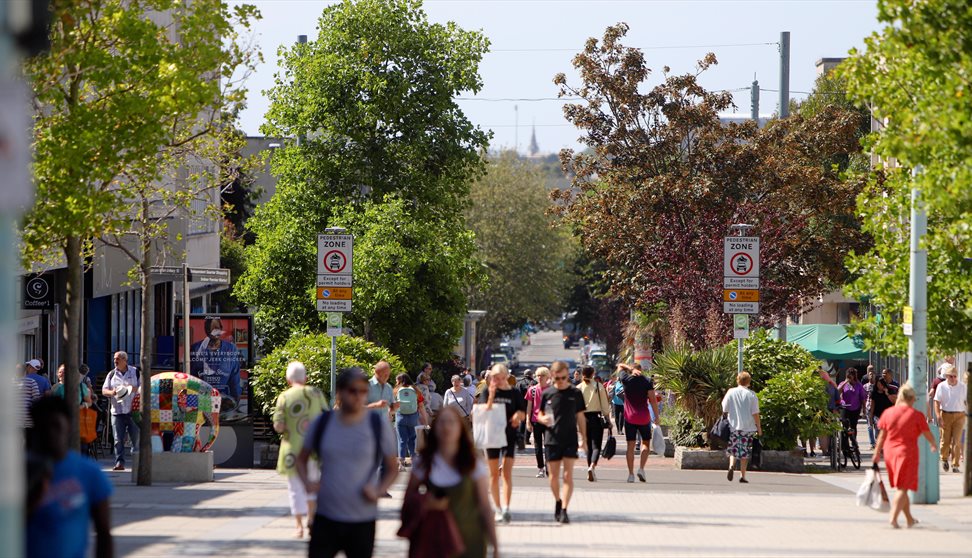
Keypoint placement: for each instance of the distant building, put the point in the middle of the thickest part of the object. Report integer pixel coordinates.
(534, 149)
(825, 65)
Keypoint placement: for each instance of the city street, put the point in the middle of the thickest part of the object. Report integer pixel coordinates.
(676, 513)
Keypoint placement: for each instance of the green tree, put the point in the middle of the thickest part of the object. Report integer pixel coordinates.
(372, 102)
(525, 252)
(409, 279)
(914, 73)
(128, 92)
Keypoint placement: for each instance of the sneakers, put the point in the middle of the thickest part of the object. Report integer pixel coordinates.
(401, 466)
(541, 474)
(729, 475)
(122, 468)
(630, 478)
(506, 515)
(564, 520)
(590, 475)
(558, 511)
(498, 517)
(641, 475)
(742, 480)
(945, 466)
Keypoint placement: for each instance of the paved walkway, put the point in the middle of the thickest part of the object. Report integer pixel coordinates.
(677, 513)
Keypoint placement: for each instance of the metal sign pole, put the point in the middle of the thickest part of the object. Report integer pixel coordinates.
(185, 318)
(333, 366)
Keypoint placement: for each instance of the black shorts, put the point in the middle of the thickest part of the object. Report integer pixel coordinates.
(509, 452)
(631, 432)
(850, 418)
(558, 453)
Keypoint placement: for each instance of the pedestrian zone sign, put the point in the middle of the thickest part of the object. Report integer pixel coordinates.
(334, 272)
(741, 256)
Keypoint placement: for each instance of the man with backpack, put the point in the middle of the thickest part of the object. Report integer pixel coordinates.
(349, 442)
(525, 383)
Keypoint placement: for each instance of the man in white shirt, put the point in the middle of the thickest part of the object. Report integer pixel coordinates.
(742, 408)
(123, 379)
(950, 405)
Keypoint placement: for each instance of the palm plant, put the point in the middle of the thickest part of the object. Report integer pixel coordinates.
(698, 379)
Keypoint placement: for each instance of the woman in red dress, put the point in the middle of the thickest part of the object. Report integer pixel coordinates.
(901, 426)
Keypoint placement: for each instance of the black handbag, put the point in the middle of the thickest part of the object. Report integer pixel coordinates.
(610, 447)
(756, 459)
(721, 429)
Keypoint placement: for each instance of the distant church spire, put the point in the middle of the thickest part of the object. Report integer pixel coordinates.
(534, 148)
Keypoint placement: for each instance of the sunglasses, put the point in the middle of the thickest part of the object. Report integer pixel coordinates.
(361, 391)
(560, 378)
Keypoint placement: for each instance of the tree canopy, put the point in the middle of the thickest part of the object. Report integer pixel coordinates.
(914, 73)
(525, 252)
(371, 101)
(664, 179)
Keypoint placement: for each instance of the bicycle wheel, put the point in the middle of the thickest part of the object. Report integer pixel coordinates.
(855, 456)
(844, 450)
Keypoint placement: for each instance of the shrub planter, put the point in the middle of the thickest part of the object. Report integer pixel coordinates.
(717, 460)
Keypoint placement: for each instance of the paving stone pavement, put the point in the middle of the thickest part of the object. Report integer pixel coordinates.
(677, 513)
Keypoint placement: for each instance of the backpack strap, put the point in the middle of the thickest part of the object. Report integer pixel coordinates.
(318, 434)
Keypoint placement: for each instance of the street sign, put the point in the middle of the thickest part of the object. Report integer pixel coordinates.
(740, 307)
(38, 292)
(907, 317)
(740, 282)
(334, 320)
(740, 326)
(334, 272)
(334, 253)
(333, 305)
(211, 275)
(333, 280)
(740, 295)
(741, 256)
(334, 293)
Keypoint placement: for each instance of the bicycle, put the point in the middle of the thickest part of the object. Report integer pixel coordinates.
(836, 454)
(848, 445)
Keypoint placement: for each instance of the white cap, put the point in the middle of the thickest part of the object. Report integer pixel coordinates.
(36, 364)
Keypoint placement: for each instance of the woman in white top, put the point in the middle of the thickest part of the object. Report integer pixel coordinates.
(742, 408)
(459, 397)
(456, 480)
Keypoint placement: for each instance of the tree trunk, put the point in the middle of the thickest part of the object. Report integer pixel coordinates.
(71, 335)
(144, 476)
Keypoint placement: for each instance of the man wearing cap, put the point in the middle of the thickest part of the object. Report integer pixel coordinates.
(349, 442)
(950, 405)
(33, 368)
(119, 387)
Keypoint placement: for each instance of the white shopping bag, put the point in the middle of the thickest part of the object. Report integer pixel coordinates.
(871, 493)
(657, 440)
(489, 425)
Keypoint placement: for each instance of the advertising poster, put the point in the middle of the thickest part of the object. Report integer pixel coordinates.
(220, 353)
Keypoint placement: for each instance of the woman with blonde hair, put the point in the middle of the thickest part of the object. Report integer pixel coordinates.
(901, 426)
(499, 390)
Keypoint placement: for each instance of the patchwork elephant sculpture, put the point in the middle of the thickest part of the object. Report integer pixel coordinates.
(180, 405)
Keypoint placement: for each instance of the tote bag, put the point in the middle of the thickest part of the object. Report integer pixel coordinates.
(88, 424)
(657, 441)
(489, 425)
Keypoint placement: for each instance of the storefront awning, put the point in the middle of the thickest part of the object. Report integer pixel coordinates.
(826, 341)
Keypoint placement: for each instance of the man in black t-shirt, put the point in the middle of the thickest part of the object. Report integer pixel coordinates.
(562, 411)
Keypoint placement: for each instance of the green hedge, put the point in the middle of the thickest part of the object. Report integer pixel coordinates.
(766, 357)
(314, 350)
(792, 405)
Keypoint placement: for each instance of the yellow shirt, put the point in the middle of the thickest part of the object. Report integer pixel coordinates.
(595, 397)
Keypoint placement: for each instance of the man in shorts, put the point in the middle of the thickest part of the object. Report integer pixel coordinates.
(562, 412)
(640, 405)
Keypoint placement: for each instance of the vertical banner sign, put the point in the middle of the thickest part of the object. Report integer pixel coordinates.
(334, 277)
(740, 275)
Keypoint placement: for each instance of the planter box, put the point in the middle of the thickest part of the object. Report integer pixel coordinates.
(716, 460)
(179, 467)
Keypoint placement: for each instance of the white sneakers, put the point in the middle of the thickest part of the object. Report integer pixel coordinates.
(630, 478)
(641, 475)
(591, 475)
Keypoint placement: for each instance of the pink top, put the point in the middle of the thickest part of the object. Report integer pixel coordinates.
(533, 395)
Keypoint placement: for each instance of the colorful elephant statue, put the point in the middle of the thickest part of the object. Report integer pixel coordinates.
(180, 405)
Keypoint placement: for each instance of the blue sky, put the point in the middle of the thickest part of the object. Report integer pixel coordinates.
(673, 33)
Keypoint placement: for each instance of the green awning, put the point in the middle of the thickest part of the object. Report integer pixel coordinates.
(826, 341)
